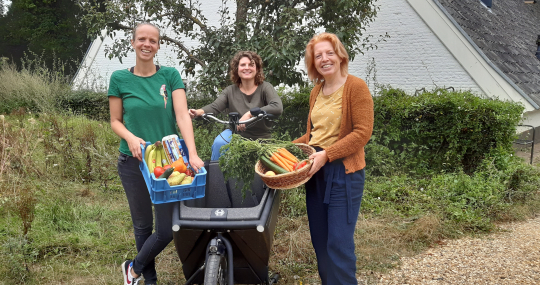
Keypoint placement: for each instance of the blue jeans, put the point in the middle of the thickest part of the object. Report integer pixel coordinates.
(333, 202)
(149, 244)
(221, 140)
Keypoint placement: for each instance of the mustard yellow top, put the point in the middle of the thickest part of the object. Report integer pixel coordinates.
(326, 118)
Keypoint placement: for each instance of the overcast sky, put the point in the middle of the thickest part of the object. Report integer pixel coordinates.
(6, 3)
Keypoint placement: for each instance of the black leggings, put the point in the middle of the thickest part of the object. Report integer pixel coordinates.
(149, 244)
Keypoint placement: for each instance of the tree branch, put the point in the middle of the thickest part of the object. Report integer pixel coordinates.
(241, 18)
(313, 6)
(259, 20)
(120, 26)
(186, 50)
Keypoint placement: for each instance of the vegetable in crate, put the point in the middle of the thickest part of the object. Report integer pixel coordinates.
(167, 173)
(187, 180)
(158, 171)
(242, 155)
(176, 178)
(179, 166)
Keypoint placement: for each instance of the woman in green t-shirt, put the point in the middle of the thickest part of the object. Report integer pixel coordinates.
(248, 91)
(141, 112)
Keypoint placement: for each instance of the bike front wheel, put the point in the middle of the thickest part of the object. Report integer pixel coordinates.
(216, 270)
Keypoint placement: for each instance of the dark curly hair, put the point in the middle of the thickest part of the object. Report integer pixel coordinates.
(254, 57)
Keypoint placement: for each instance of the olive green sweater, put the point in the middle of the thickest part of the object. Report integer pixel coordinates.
(264, 97)
(356, 124)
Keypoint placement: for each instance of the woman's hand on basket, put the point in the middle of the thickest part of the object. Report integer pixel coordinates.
(134, 144)
(319, 160)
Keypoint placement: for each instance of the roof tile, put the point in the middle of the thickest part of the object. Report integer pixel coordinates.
(506, 34)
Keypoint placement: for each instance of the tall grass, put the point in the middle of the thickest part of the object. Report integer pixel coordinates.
(33, 87)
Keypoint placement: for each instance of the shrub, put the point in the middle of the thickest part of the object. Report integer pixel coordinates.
(93, 105)
(293, 121)
(17, 255)
(441, 130)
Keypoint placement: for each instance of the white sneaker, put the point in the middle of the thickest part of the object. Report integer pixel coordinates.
(126, 272)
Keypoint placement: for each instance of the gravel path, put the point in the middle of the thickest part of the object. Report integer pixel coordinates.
(508, 257)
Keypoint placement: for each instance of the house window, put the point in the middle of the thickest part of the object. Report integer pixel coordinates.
(488, 3)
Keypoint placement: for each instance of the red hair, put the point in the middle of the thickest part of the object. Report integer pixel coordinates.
(339, 48)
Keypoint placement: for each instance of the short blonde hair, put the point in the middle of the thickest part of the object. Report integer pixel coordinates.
(339, 48)
(134, 30)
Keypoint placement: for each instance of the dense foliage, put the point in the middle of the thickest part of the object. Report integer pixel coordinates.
(51, 29)
(277, 30)
(440, 130)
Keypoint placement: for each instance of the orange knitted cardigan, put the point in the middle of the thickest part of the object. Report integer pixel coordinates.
(356, 124)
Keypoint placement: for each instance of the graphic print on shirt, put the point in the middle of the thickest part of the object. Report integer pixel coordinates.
(163, 93)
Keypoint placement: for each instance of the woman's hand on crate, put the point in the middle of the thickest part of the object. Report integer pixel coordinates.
(134, 144)
(195, 162)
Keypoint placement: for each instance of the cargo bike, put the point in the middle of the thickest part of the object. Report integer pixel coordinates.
(220, 236)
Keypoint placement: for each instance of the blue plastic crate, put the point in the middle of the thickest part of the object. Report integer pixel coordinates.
(160, 190)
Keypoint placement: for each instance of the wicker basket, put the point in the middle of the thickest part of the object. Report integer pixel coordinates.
(287, 180)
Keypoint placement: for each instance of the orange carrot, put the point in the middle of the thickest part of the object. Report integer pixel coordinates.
(285, 159)
(285, 153)
(289, 163)
(276, 159)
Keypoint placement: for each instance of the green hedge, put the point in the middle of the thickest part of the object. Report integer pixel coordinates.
(434, 131)
(440, 130)
(292, 123)
(94, 105)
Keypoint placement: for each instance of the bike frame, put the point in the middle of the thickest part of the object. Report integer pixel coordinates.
(220, 245)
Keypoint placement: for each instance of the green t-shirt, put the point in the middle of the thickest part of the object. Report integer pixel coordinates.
(148, 110)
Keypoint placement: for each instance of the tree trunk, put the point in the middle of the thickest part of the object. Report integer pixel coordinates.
(241, 18)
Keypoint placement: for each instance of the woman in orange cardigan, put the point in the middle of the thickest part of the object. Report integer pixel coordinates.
(340, 123)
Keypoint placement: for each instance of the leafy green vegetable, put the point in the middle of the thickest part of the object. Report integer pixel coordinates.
(241, 154)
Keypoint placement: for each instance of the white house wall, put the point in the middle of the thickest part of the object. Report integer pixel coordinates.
(413, 57)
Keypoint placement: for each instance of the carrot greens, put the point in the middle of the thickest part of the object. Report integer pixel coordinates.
(241, 154)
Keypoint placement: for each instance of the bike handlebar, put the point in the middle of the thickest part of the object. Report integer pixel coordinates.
(211, 116)
(234, 117)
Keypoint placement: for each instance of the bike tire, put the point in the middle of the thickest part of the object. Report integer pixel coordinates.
(215, 272)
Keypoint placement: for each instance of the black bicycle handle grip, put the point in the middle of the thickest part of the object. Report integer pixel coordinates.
(255, 111)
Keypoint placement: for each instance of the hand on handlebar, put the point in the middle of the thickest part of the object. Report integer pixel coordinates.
(195, 113)
(242, 127)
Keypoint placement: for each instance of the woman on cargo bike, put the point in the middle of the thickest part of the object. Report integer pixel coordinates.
(248, 91)
(339, 125)
(140, 113)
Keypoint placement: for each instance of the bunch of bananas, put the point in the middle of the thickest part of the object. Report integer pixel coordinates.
(154, 155)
